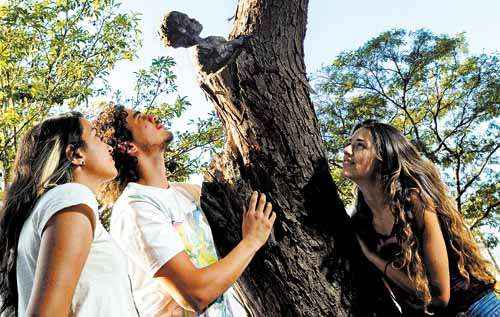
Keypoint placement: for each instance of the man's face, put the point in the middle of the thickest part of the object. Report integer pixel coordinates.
(148, 134)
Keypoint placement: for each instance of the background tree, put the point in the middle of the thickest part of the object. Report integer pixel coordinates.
(55, 53)
(257, 83)
(443, 98)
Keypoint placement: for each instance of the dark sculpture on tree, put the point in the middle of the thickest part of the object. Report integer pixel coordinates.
(212, 53)
(258, 85)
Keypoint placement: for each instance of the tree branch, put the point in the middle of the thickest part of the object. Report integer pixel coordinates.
(475, 177)
(485, 215)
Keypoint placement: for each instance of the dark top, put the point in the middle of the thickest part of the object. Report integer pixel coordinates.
(461, 294)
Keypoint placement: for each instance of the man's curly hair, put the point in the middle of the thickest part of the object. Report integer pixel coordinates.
(111, 127)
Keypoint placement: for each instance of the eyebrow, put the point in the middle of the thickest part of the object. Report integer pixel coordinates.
(357, 140)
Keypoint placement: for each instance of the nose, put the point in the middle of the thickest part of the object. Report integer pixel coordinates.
(347, 150)
(151, 118)
(110, 149)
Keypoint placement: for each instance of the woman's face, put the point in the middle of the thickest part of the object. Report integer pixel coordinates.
(359, 156)
(96, 154)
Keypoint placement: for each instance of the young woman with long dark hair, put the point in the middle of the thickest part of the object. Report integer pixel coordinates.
(410, 229)
(57, 259)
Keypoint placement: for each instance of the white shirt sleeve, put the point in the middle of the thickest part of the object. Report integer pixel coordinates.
(61, 197)
(147, 235)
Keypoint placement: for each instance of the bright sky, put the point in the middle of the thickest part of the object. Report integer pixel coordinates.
(333, 26)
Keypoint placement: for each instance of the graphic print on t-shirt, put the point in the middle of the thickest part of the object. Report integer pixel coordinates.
(154, 224)
(196, 235)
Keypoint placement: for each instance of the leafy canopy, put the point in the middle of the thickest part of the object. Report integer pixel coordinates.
(445, 100)
(53, 54)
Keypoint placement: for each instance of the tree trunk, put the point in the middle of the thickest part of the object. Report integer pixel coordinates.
(274, 146)
(5, 174)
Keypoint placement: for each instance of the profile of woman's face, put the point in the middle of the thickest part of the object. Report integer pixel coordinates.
(97, 154)
(359, 156)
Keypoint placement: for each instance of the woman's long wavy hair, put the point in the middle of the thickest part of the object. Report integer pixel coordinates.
(111, 127)
(41, 163)
(413, 184)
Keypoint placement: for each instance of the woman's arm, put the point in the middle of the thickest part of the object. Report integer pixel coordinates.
(435, 261)
(397, 276)
(64, 248)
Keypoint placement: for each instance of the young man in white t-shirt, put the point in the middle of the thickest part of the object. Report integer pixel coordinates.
(173, 262)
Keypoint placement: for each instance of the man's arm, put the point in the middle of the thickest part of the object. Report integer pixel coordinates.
(193, 190)
(194, 288)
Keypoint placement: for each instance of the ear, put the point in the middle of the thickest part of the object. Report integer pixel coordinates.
(76, 157)
(128, 147)
(132, 149)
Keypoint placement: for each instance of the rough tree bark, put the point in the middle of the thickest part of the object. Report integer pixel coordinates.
(274, 146)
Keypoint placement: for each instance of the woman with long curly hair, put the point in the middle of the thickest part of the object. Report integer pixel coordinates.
(57, 259)
(410, 229)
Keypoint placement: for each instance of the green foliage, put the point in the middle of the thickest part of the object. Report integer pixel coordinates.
(191, 152)
(54, 53)
(445, 100)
